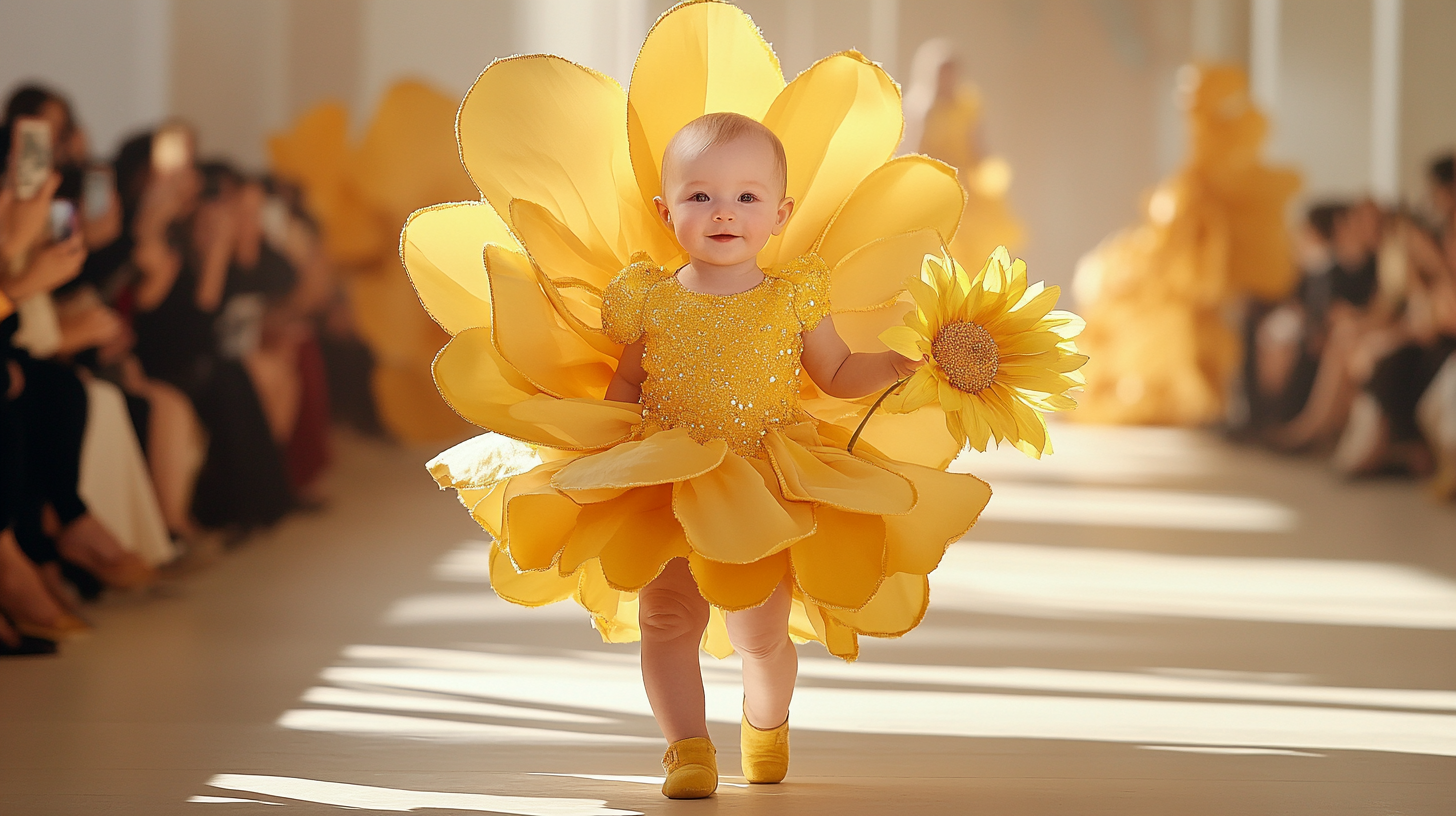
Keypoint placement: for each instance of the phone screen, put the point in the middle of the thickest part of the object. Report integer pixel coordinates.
(171, 150)
(32, 150)
(63, 219)
(96, 193)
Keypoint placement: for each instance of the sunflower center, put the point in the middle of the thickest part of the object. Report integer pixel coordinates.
(968, 355)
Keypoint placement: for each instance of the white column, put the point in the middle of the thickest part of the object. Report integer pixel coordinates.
(1385, 100)
(797, 53)
(885, 33)
(1264, 53)
(1211, 37)
(632, 24)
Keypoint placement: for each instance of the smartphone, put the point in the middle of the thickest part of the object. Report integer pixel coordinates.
(32, 148)
(63, 219)
(171, 149)
(274, 219)
(96, 193)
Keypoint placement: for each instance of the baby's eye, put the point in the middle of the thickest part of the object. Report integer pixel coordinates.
(747, 198)
(700, 197)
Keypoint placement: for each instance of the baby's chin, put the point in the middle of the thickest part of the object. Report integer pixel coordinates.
(725, 253)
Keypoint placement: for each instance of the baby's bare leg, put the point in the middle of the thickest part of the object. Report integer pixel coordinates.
(770, 663)
(673, 615)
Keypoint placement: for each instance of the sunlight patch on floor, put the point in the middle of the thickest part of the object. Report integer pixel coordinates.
(1030, 503)
(1029, 579)
(371, 797)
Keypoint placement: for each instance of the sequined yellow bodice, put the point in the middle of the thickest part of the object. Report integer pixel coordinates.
(722, 366)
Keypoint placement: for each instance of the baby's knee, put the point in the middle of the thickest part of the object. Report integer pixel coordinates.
(759, 643)
(667, 616)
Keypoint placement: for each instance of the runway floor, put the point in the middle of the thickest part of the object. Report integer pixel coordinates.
(1147, 622)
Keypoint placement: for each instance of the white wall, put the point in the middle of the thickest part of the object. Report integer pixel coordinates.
(1428, 98)
(111, 58)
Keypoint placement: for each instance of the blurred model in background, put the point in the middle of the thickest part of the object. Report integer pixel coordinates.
(1163, 299)
(360, 193)
(943, 121)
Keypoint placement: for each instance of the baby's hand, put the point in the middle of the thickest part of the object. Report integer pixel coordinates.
(904, 366)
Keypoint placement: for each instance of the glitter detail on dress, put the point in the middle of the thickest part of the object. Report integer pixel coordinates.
(721, 366)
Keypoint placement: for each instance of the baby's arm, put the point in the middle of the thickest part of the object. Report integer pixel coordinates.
(840, 373)
(626, 384)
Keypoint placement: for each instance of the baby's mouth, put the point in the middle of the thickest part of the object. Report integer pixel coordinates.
(723, 237)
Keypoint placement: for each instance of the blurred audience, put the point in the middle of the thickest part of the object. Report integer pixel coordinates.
(1361, 361)
(165, 385)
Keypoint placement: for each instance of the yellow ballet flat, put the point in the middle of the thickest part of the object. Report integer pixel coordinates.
(692, 769)
(765, 753)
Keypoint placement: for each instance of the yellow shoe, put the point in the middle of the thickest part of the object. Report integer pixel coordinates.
(692, 769)
(765, 753)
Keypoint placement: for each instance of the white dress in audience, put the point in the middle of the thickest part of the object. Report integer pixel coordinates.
(115, 482)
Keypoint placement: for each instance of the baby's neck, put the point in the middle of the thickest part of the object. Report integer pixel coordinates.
(712, 279)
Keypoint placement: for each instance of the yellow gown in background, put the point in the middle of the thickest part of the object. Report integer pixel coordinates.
(360, 193)
(950, 134)
(1161, 299)
(733, 459)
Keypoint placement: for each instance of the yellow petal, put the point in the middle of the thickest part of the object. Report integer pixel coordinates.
(902, 340)
(600, 523)
(861, 330)
(843, 562)
(921, 390)
(949, 505)
(668, 456)
(533, 338)
(736, 513)
(739, 586)
(698, 58)
(614, 612)
(833, 477)
(840, 640)
(903, 195)
(875, 273)
(481, 461)
(485, 390)
(546, 130)
(526, 589)
(408, 156)
(556, 250)
(643, 546)
(538, 519)
(442, 248)
(898, 606)
(920, 436)
(838, 120)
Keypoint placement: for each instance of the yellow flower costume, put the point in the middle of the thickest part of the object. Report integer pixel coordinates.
(732, 460)
(1156, 296)
(360, 193)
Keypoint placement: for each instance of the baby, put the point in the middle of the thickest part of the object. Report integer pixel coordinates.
(705, 349)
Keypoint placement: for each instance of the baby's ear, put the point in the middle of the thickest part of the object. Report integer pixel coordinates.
(786, 209)
(662, 212)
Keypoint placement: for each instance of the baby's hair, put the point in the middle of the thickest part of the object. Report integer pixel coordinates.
(713, 129)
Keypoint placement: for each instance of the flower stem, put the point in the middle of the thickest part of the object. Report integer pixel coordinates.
(866, 420)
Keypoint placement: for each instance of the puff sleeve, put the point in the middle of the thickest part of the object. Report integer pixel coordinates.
(625, 299)
(810, 278)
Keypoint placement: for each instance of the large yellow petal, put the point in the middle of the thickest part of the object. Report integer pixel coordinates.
(843, 562)
(529, 588)
(698, 58)
(874, 274)
(839, 120)
(898, 606)
(601, 522)
(861, 330)
(557, 250)
(644, 544)
(662, 458)
(833, 477)
(738, 586)
(485, 390)
(481, 461)
(949, 505)
(614, 612)
(840, 640)
(903, 195)
(919, 437)
(546, 130)
(408, 156)
(443, 250)
(538, 519)
(532, 336)
(736, 513)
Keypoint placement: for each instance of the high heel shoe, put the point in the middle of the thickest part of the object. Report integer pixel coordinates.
(764, 753)
(692, 769)
(66, 627)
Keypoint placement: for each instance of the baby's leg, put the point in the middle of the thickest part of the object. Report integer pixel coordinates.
(673, 615)
(770, 663)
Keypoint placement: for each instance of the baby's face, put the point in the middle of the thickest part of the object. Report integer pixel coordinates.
(724, 204)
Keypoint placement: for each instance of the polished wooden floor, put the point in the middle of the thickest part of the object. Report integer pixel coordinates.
(1148, 622)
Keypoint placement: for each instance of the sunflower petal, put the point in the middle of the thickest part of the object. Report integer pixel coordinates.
(902, 195)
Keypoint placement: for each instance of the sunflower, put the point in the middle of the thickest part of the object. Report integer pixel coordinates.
(998, 354)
